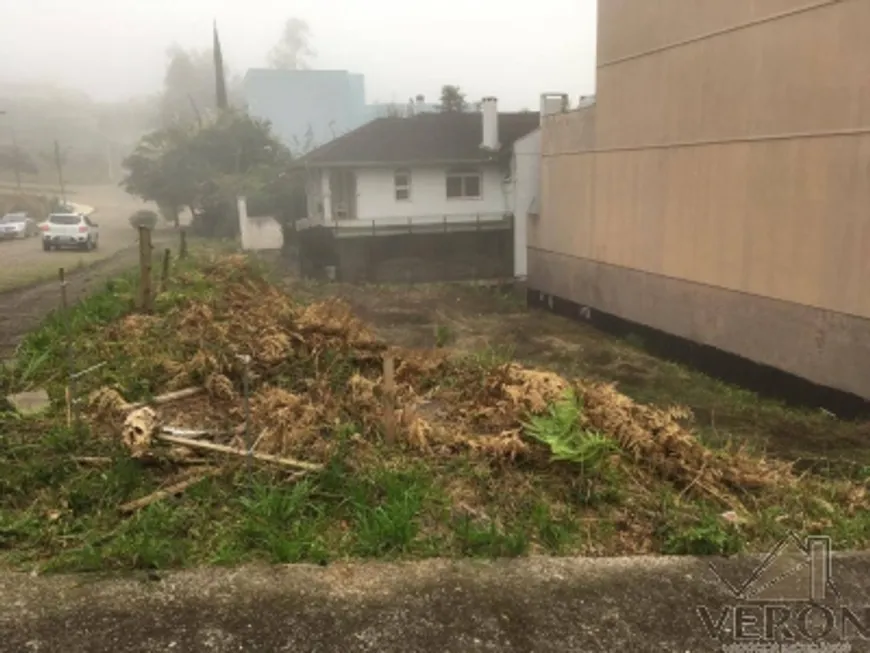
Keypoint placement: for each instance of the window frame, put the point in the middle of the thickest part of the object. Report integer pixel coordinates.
(463, 173)
(406, 187)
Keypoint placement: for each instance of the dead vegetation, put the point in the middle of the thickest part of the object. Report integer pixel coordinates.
(298, 385)
(312, 367)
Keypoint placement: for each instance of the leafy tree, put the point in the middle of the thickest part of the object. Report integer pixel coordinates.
(162, 169)
(293, 51)
(452, 99)
(206, 168)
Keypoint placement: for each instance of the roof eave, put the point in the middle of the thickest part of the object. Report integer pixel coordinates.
(399, 163)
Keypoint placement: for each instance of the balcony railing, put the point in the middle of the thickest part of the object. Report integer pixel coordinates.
(412, 224)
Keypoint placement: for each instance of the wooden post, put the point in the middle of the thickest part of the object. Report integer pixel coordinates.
(164, 276)
(69, 394)
(389, 400)
(182, 248)
(145, 296)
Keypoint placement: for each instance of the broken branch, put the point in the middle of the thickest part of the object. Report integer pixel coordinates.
(92, 460)
(168, 397)
(211, 446)
(159, 495)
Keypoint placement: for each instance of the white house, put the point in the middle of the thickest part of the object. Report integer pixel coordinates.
(431, 172)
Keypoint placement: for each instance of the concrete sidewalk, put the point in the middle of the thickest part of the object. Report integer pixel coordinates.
(548, 605)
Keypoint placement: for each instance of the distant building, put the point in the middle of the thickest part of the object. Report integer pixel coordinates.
(307, 107)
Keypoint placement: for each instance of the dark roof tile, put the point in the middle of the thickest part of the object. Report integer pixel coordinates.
(427, 137)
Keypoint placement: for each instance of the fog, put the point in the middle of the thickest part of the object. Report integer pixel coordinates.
(116, 49)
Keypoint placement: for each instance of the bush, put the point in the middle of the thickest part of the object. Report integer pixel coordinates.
(143, 218)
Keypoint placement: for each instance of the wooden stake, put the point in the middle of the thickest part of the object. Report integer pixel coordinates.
(164, 276)
(389, 399)
(220, 448)
(145, 296)
(159, 495)
(71, 383)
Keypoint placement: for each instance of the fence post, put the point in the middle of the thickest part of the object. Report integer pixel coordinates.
(389, 398)
(246, 390)
(164, 276)
(145, 297)
(443, 251)
(70, 386)
(182, 248)
(477, 249)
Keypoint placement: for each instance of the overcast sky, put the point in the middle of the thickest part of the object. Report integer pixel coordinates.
(114, 49)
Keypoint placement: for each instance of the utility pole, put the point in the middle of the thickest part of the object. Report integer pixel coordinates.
(16, 155)
(58, 162)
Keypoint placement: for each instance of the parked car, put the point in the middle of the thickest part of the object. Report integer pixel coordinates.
(17, 225)
(73, 230)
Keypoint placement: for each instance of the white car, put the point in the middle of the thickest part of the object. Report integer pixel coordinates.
(17, 225)
(69, 230)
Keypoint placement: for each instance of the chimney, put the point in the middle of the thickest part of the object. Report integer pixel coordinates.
(553, 103)
(489, 112)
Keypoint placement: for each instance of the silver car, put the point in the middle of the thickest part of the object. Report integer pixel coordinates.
(18, 225)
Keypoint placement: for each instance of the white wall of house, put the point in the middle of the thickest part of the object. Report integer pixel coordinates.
(376, 195)
(527, 184)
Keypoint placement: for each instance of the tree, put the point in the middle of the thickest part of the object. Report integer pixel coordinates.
(452, 99)
(206, 168)
(189, 87)
(161, 169)
(220, 82)
(293, 50)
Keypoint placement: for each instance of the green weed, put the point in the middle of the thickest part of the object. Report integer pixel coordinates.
(443, 336)
(704, 535)
(560, 430)
(488, 540)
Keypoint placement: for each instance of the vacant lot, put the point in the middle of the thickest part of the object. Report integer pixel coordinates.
(458, 428)
(481, 318)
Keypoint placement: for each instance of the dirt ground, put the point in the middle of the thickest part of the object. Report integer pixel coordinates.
(25, 262)
(496, 322)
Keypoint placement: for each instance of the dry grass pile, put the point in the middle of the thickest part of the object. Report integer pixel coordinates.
(314, 367)
(656, 440)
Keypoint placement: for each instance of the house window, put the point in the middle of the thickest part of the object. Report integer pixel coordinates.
(402, 181)
(463, 183)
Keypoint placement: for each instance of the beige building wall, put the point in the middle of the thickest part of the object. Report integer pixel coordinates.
(725, 170)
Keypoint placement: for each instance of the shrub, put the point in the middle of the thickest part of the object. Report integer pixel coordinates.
(143, 218)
